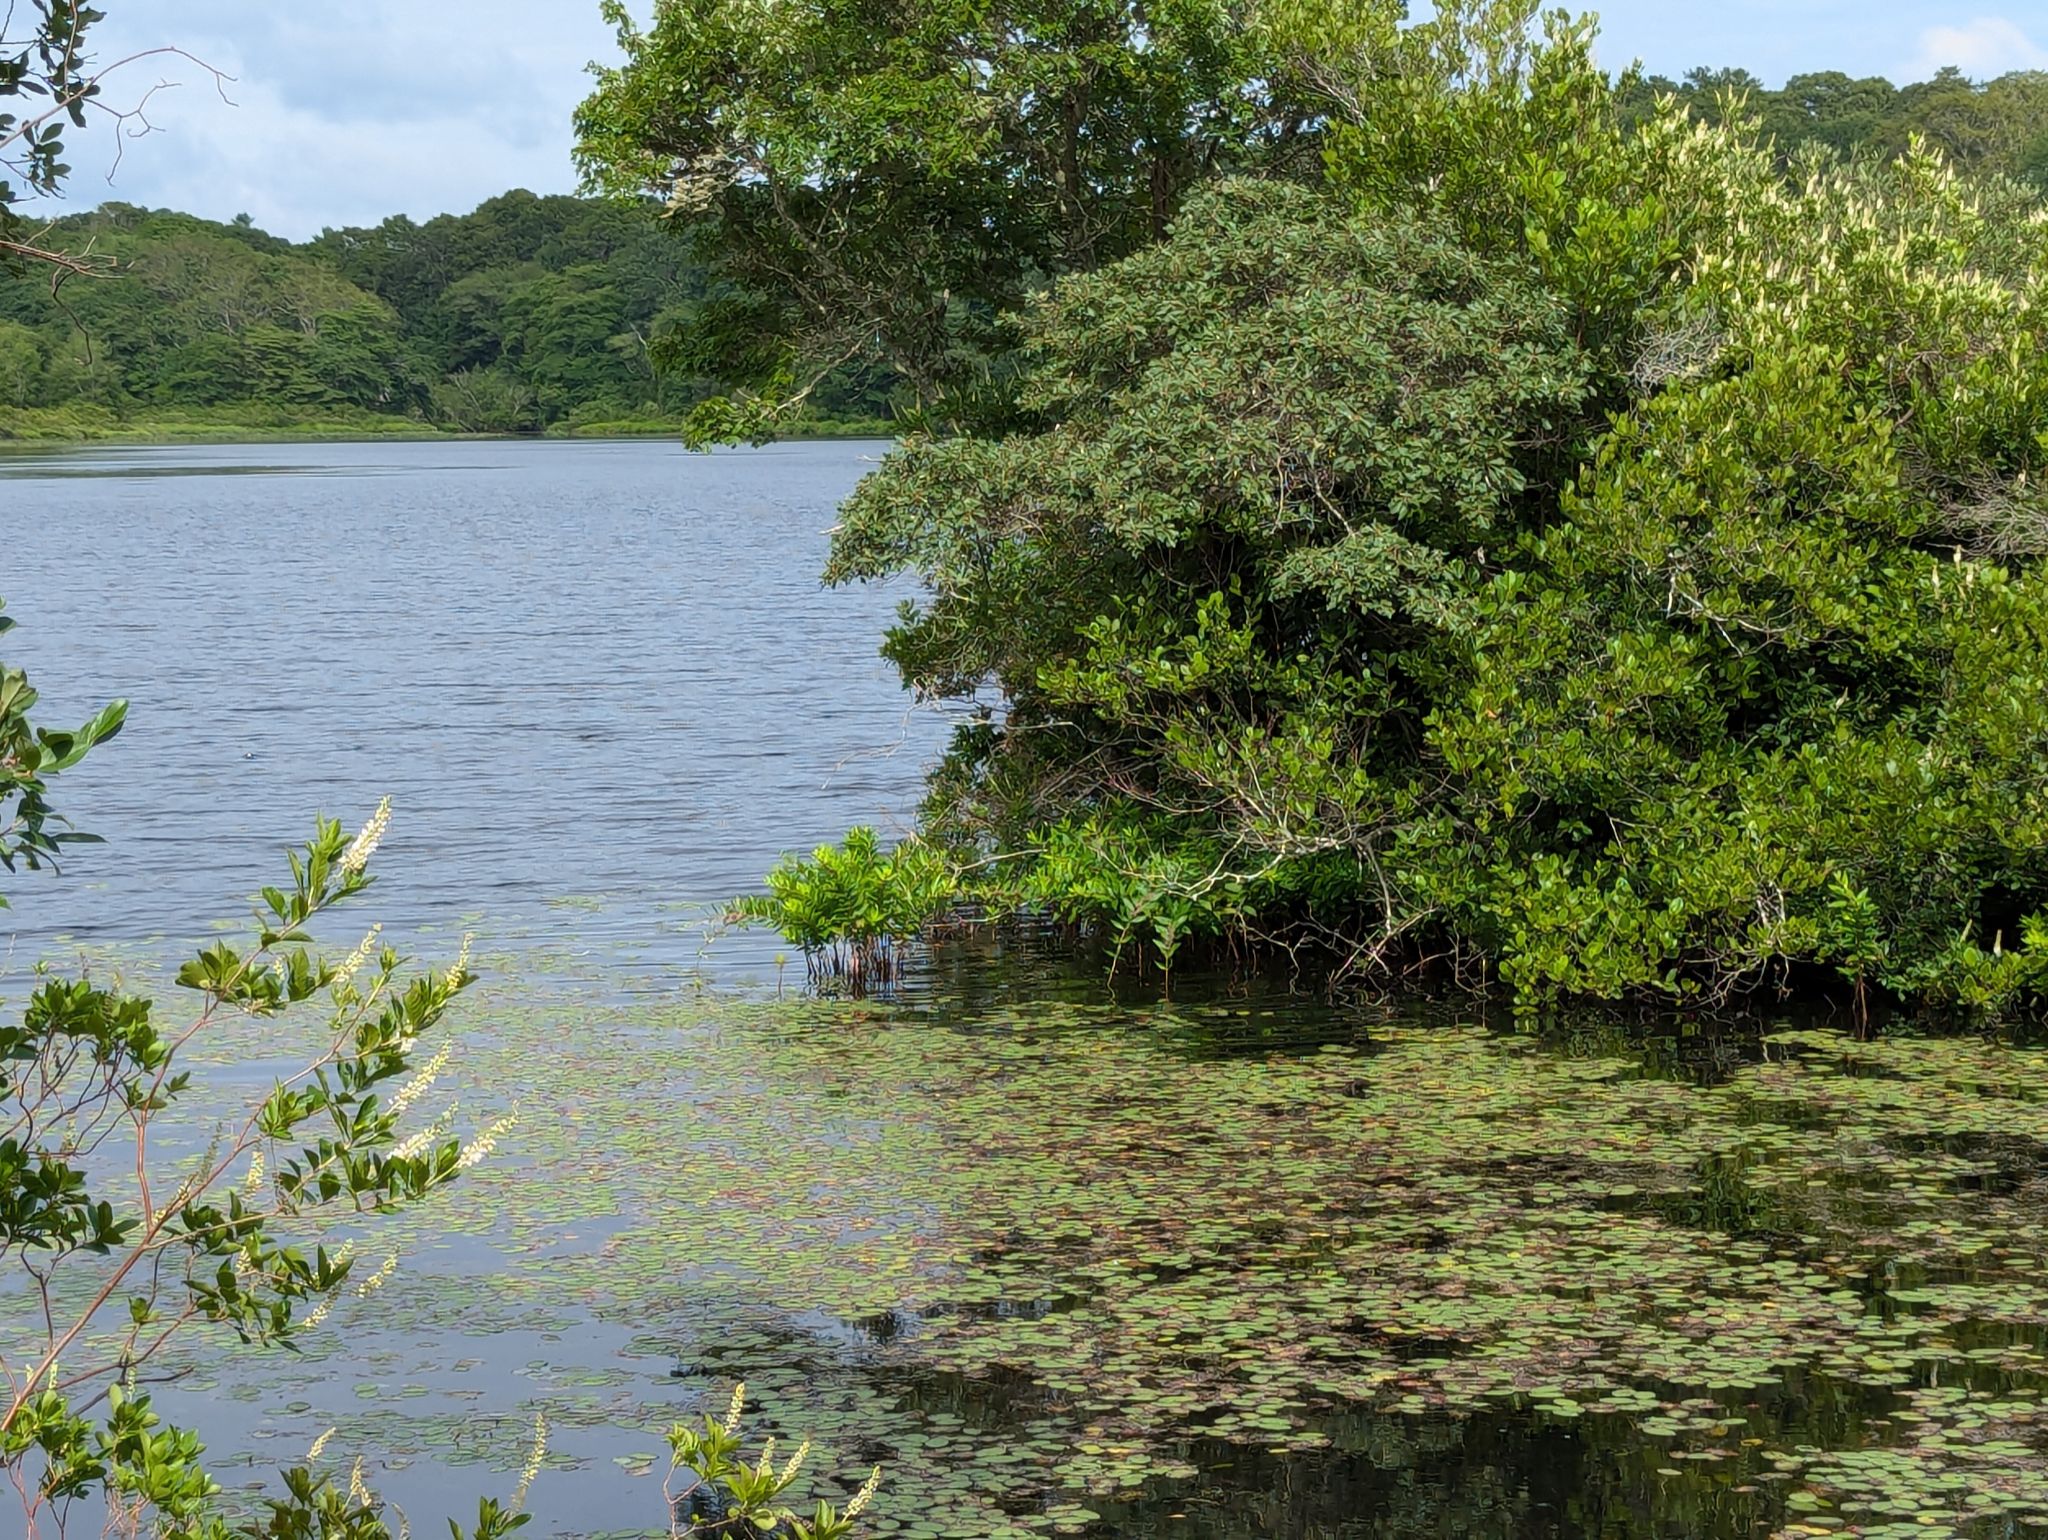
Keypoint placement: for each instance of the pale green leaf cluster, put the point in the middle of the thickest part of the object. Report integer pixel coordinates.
(850, 905)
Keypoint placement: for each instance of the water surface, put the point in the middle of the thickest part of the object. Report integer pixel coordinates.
(1062, 1261)
(582, 671)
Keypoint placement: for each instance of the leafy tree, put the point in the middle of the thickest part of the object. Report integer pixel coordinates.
(568, 295)
(1768, 699)
(46, 85)
(207, 371)
(487, 401)
(885, 185)
(1566, 543)
(1219, 595)
(21, 363)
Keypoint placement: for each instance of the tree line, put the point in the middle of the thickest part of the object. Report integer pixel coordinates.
(533, 313)
(1998, 126)
(528, 313)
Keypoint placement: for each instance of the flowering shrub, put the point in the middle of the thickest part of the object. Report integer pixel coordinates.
(112, 1242)
(105, 1271)
(733, 1498)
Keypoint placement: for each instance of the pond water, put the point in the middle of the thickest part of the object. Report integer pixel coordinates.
(583, 672)
(1061, 1261)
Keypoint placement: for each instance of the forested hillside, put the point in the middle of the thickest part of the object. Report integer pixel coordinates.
(528, 314)
(1997, 126)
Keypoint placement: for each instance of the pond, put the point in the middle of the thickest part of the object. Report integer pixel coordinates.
(580, 670)
(1061, 1260)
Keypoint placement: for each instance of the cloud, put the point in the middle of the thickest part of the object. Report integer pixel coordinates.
(342, 115)
(1981, 49)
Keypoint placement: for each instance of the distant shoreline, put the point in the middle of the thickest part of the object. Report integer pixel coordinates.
(16, 437)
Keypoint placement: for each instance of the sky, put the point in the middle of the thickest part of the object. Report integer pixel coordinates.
(339, 114)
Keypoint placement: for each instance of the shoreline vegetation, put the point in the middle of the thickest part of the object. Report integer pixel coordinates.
(1388, 495)
(62, 427)
(1407, 502)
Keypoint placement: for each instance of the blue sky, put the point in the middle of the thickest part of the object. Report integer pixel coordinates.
(340, 114)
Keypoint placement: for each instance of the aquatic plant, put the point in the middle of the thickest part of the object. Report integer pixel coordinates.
(316, 1507)
(850, 907)
(1138, 893)
(1062, 1265)
(1074, 1240)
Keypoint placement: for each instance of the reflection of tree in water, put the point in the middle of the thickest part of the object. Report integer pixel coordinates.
(1388, 1476)
(1401, 1478)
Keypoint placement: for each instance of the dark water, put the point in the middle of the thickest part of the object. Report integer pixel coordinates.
(605, 691)
(582, 671)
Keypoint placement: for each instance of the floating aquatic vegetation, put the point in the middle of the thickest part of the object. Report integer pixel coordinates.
(1442, 1222)
(1077, 1268)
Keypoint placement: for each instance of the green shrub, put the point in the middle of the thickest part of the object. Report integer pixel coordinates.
(243, 1239)
(850, 907)
(32, 835)
(731, 1498)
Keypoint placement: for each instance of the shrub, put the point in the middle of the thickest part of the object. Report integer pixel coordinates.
(736, 1499)
(850, 907)
(31, 835)
(243, 1237)
(105, 1271)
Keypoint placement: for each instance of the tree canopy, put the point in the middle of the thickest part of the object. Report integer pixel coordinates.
(885, 184)
(527, 313)
(1581, 535)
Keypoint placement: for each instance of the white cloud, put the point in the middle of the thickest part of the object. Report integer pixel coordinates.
(342, 115)
(1981, 49)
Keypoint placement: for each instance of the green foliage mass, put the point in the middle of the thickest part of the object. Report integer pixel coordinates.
(1772, 693)
(849, 905)
(1599, 546)
(32, 835)
(882, 189)
(525, 315)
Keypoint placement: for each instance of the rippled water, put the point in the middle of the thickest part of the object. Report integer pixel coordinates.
(583, 671)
